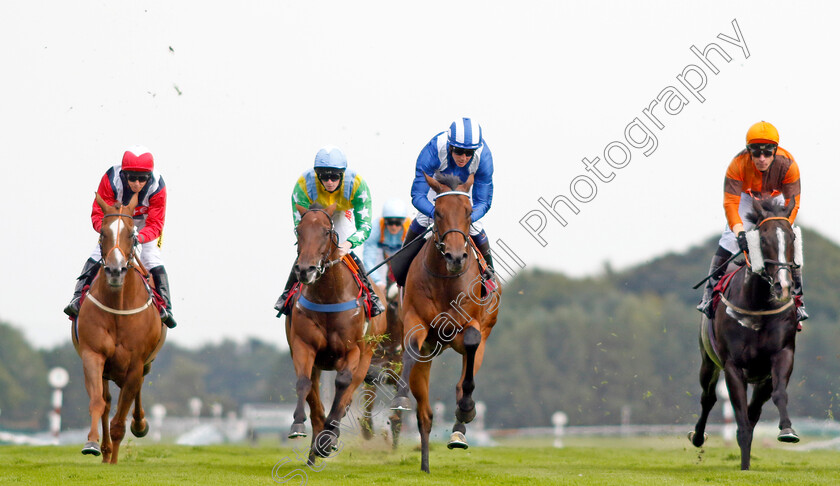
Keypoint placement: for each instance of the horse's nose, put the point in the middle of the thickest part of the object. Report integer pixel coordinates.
(781, 291)
(115, 272)
(453, 259)
(305, 275)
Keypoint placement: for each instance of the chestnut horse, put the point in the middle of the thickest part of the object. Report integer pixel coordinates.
(327, 329)
(117, 334)
(444, 306)
(753, 335)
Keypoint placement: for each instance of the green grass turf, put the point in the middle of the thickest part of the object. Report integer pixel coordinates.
(622, 461)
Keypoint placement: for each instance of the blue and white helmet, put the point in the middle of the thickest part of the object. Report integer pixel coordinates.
(331, 157)
(394, 208)
(465, 133)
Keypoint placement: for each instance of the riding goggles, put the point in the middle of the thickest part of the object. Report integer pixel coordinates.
(460, 151)
(393, 221)
(137, 176)
(759, 149)
(329, 175)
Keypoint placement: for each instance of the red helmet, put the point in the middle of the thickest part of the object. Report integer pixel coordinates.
(138, 159)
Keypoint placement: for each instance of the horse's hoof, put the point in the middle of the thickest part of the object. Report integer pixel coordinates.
(457, 441)
(139, 433)
(788, 435)
(298, 430)
(92, 448)
(465, 416)
(691, 438)
(401, 403)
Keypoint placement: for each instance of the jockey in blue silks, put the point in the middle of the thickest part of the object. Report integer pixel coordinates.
(461, 151)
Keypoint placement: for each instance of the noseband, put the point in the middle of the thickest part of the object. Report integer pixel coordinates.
(439, 245)
(324, 263)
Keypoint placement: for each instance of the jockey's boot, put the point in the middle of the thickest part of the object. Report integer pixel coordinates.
(801, 313)
(482, 242)
(89, 271)
(281, 306)
(716, 271)
(376, 306)
(162, 287)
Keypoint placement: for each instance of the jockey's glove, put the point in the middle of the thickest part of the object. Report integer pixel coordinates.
(742, 242)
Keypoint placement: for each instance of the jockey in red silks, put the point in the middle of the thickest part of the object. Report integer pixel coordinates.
(135, 175)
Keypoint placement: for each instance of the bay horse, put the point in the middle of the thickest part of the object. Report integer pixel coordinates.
(752, 337)
(443, 307)
(327, 329)
(117, 334)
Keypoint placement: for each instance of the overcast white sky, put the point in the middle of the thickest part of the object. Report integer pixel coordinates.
(234, 99)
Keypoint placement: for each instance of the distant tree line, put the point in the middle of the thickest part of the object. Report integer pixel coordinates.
(587, 347)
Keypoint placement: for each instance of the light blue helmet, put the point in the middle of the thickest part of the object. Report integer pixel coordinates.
(331, 157)
(465, 133)
(394, 208)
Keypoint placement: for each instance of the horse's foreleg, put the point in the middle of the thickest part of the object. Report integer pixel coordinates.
(465, 411)
(303, 357)
(128, 391)
(782, 367)
(415, 336)
(709, 373)
(93, 365)
(737, 385)
(316, 411)
(106, 416)
(419, 383)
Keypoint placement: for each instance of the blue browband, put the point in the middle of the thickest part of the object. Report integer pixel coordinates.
(343, 306)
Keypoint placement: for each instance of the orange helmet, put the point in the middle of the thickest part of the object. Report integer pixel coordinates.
(762, 132)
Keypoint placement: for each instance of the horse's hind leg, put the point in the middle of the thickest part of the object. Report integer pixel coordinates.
(761, 393)
(93, 365)
(396, 427)
(782, 367)
(413, 341)
(128, 392)
(366, 421)
(709, 373)
(139, 426)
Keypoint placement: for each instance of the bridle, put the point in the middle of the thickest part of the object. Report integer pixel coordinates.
(439, 245)
(789, 266)
(324, 262)
(130, 256)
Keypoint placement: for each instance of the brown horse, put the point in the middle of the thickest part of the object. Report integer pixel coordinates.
(753, 335)
(444, 306)
(117, 334)
(327, 329)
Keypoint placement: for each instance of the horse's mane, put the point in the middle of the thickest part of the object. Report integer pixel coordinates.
(771, 206)
(450, 180)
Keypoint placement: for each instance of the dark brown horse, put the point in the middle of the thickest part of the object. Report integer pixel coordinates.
(117, 334)
(444, 306)
(327, 329)
(753, 335)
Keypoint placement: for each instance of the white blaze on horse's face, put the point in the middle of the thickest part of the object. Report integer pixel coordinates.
(115, 260)
(783, 274)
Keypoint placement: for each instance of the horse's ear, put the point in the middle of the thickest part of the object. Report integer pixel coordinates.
(300, 209)
(101, 202)
(757, 209)
(435, 185)
(789, 206)
(465, 187)
(132, 204)
(330, 209)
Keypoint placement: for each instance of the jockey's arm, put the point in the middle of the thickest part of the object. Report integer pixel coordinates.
(107, 193)
(361, 213)
(299, 197)
(155, 218)
(427, 163)
(482, 189)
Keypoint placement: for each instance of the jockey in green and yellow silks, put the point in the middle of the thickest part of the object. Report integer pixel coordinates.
(331, 182)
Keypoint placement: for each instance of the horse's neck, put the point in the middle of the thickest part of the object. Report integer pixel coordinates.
(755, 289)
(332, 286)
(120, 297)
